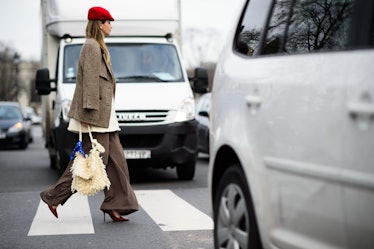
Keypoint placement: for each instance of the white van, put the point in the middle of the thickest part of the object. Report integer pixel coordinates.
(154, 101)
(292, 127)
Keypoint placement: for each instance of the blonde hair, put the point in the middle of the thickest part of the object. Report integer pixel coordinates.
(93, 31)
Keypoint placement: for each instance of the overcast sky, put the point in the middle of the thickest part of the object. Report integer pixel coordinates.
(21, 24)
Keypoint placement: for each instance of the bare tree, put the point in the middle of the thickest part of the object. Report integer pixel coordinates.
(303, 26)
(9, 69)
(201, 46)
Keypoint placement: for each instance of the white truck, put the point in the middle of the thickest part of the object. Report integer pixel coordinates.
(154, 101)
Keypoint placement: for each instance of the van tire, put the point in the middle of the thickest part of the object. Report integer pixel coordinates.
(186, 171)
(52, 161)
(233, 186)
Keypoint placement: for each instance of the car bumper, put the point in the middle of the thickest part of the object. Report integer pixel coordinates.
(14, 138)
(169, 145)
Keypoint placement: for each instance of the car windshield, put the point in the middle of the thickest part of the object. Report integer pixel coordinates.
(9, 113)
(133, 62)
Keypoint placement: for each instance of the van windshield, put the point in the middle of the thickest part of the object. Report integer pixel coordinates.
(132, 62)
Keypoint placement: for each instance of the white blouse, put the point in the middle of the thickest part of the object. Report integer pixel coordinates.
(113, 124)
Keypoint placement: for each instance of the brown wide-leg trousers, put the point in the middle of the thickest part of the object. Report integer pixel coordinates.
(120, 195)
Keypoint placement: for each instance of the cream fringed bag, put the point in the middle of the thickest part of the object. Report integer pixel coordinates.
(89, 174)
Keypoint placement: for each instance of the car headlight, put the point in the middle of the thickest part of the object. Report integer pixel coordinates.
(186, 110)
(16, 128)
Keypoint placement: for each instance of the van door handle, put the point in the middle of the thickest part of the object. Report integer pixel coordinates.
(361, 109)
(362, 113)
(253, 103)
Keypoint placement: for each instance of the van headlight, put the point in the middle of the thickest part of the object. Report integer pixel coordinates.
(186, 110)
(65, 108)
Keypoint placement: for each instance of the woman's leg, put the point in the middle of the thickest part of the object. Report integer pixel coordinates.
(60, 192)
(120, 196)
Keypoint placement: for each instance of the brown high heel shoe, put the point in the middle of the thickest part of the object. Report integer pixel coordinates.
(113, 216)
(53, 210)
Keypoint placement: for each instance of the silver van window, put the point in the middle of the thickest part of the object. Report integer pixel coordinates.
(303, 26)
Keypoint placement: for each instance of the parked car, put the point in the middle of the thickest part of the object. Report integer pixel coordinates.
(292, 127)
(202, 117)
(30, 113)
(15, 128)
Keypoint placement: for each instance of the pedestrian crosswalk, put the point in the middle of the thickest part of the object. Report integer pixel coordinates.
(167, 210)
(171, 212)
(74, 218)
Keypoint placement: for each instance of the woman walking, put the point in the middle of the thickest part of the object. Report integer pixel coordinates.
(93, 105)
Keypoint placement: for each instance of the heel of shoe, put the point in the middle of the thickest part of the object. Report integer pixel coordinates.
(53, 210)
(113, 216)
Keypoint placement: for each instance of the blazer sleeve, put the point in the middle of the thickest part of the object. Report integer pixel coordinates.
(91, 75)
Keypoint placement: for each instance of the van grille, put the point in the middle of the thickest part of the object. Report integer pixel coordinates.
(148, 116)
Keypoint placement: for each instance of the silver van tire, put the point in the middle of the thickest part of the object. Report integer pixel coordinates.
(233, 199)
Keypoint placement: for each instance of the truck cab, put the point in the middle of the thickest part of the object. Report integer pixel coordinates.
(154, 101)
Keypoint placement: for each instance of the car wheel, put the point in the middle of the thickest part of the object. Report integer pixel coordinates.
(235, 223)
(186, 171)
(24, 143)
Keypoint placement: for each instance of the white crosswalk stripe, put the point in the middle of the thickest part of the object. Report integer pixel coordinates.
(74, 218)
(171, 212)
(166, 209)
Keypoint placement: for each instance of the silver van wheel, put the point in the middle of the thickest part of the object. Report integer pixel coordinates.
(234, 220)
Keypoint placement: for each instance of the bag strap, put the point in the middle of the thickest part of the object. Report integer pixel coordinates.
(89, 132)
(80, 132)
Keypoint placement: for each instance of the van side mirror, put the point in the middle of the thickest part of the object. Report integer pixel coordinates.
(43, 82)
(200, 80)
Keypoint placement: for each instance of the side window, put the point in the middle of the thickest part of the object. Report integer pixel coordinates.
(251, 27)
(303, 26)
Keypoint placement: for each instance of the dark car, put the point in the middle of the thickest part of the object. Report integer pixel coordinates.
(15, 128)
(202, 117)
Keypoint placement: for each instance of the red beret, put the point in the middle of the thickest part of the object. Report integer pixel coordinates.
(98, 13)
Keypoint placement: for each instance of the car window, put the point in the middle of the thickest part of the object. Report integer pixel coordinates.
(10, 112)
(249, 30)
(303, 26)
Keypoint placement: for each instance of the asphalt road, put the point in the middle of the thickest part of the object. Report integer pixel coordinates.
(172, 214)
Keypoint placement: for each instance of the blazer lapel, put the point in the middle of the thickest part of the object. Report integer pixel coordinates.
(109, 68)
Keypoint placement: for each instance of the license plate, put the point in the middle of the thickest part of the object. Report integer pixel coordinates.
(137, 154)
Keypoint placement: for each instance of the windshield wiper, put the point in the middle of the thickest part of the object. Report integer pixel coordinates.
(142, 77)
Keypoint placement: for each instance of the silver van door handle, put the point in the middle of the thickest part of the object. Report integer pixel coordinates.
(361, 109)
(253, 103)
(362, 113)
(253, 100)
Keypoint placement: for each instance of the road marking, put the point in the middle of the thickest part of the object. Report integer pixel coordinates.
(166, 209)
(171, 212)
(74, 218)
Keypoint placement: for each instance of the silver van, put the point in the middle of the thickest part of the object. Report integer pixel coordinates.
(292, 127)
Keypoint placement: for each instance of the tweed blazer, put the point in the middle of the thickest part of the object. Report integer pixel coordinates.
(95, 87)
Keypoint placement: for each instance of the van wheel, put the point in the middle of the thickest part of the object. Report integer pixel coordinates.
(235, 223)
(52, 162)
(61, 163)
(186, 171)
